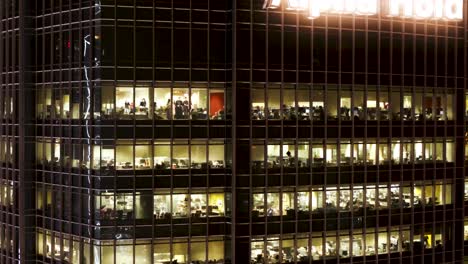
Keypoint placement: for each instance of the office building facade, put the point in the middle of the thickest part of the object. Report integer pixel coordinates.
(244, 131)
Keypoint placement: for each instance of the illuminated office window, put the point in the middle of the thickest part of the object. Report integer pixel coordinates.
(289, 154)
(143, 155)
(180, 156)
(44, 108)
(116, 206)
(422, 104)
(347, 111)
(180, 103)
(162, 155)
(346, 153)
(258, 205)
(58, 247)
(183, 251)
(407, 111)
(449, 150)
(258, 157)
(288, 207)
(7, 193)
(289, 104)
(303, 103)
(419, 150)
(359, 106)
(199, 103)
(318, 103)
(332, 153)
(331, 103)
(372, 107)
(318, 155)
(303, 201)
(345, 199)
(124, 156)
(274, 103)
(198, 155)
(465, 231)
(274, 155)
(258, 104)
(371, 152)
(317, 199)
(216, 155)
(303, 159)
(180, 205)
(107, 102)
(124, 101)
(162, 103)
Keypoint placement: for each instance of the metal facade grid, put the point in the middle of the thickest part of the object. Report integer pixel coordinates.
(59, 48)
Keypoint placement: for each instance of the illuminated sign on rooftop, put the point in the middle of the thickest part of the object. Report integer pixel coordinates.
(418, 9)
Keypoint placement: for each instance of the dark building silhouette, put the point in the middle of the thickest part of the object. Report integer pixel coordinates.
(215, 131)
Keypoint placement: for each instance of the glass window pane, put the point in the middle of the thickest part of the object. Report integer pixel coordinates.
(124, 157)
(181, 106)
(331, 154)
(198, 251)
(274, 104)
(198, 205)
(331, 106)
(180, 206)
(142, 102)
(216, 156)
(180, 157)
(371, 104)
(258, 157)
(359, 110)
(289, 104)
(273, 204)
(162, 103)
(199, 104)
(142, 157)
(303, 104)
(396, 104)
(273, 152)
(198, 155)
(180, 253)
(162, 253)
(258, 104)
(216, 250)
(288, 207)
(142, 253)
(318, 103)
(258, 205)
(124, 102)
(447, 108)
(450, 150)
(162, 206)
(162, 155)
(217, 108)
(216, 204)
(124, 254)
(396, 152)
(257, 251)
(346, 110)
